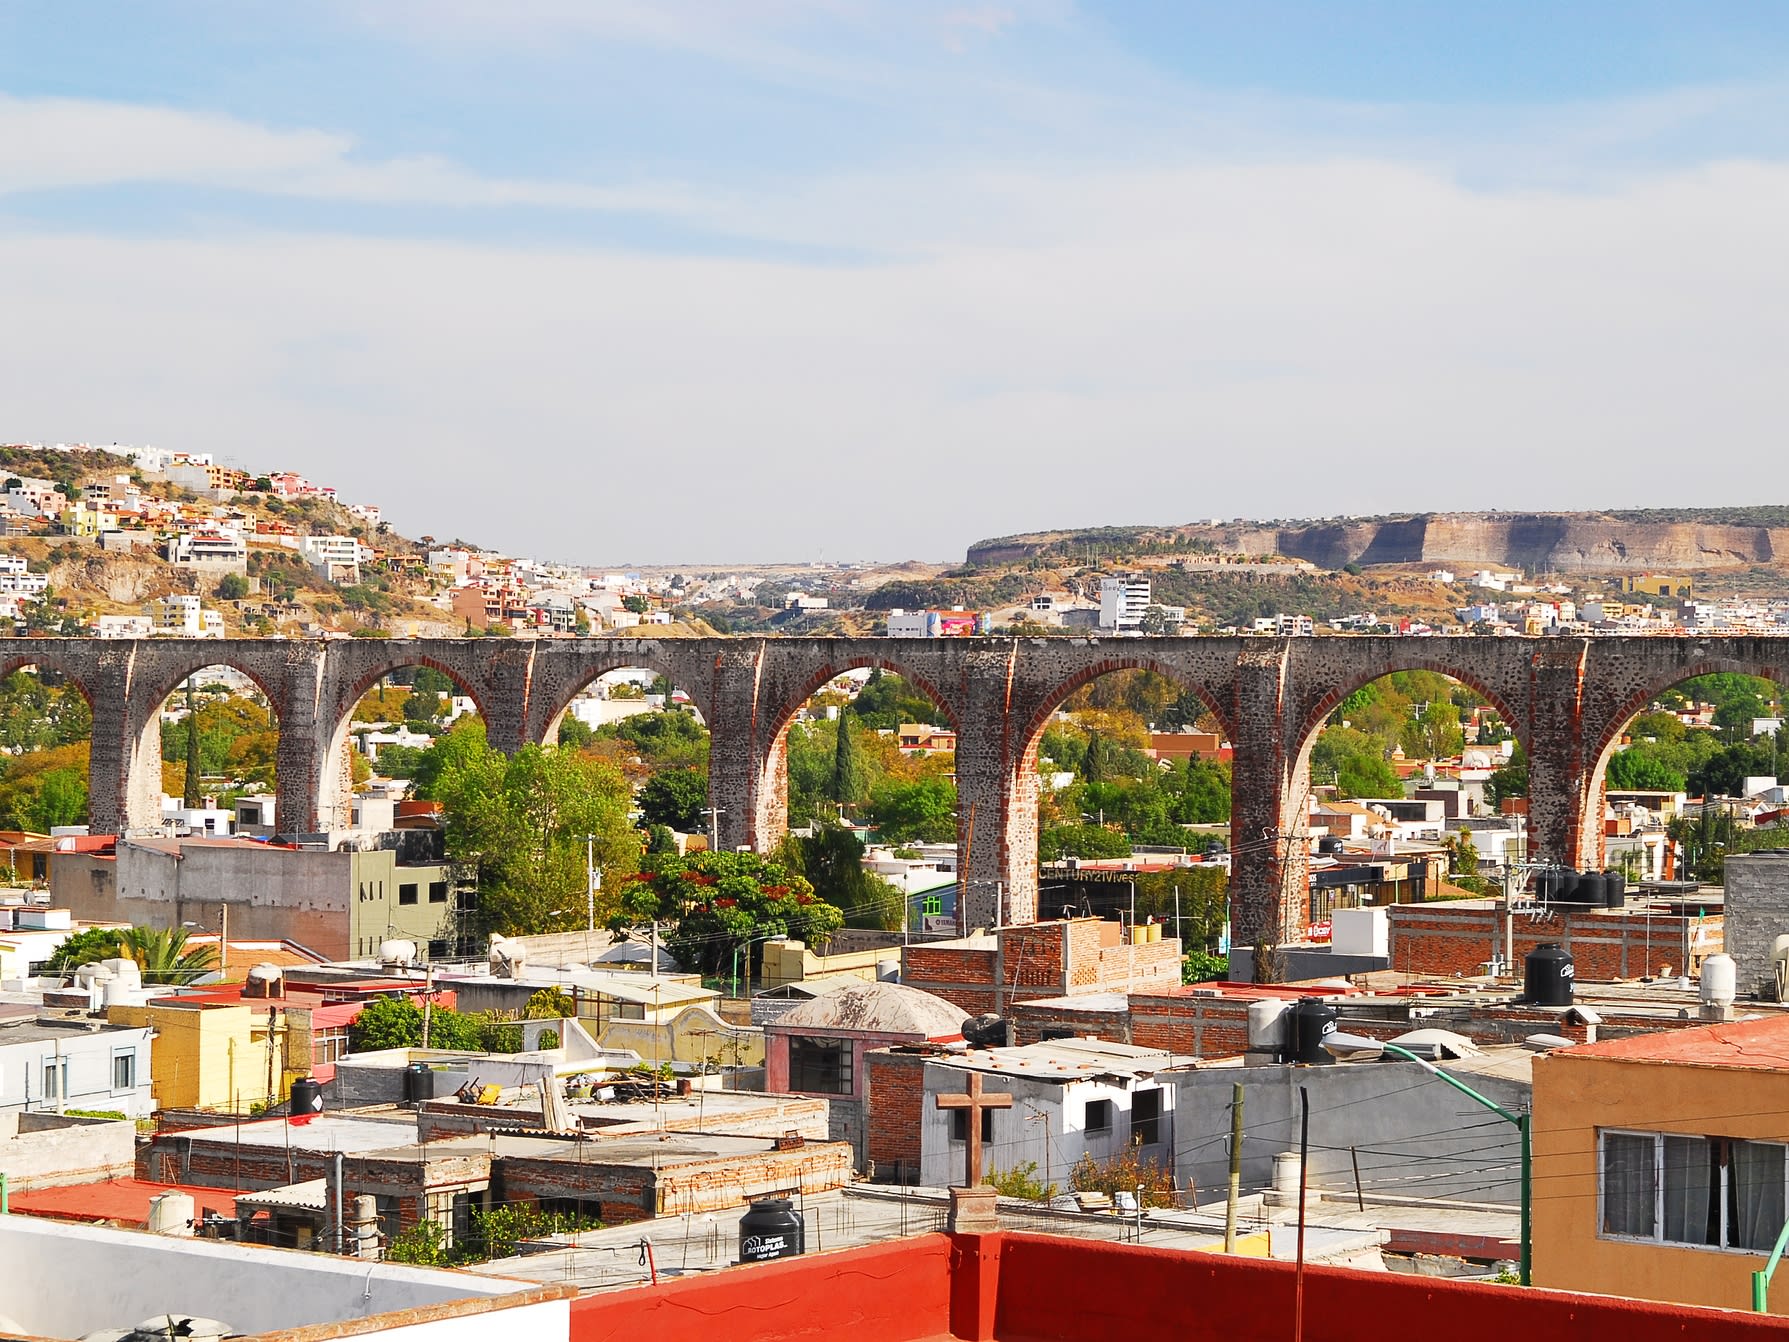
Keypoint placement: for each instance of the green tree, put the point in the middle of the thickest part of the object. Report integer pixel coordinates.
(886, 701)
(675, 798)
(86, 947)
(1510, 781)
(831, 858)
(922, 811)
(574, 732)
(1096, 763)
(717, 903)
(550, 1004)
(639, 605)
(523, 819)
(232, 587)
(848, 783)
(193, 795)
(1090, 841)
(163, 956)
(1644, 768)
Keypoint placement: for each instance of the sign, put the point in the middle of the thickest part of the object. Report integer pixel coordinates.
(1319, 931)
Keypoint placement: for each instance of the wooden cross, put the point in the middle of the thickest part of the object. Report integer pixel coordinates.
(974, 1102)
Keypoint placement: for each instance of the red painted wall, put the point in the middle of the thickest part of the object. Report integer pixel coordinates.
(1035, 1288)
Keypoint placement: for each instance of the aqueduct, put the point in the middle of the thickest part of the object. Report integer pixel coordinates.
(1566, 699)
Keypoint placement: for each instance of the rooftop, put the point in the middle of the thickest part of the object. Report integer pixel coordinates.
(1761, 1044)
(125, 1201)
(1065, 1060)
(881, 1008)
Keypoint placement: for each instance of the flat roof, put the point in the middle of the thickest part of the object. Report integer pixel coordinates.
(1759, 1044)
(124, 1200)
(1064, 1060)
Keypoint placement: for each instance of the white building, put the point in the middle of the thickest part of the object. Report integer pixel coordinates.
(184, 616)
(96, 1279)
(123, 626)
(1123, 601)
(336, 558)
(214, 549)
(1071, 1097)
(56, 1063)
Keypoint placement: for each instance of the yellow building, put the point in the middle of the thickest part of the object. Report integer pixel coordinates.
(1659, 1163)
(80, 520)
(1657, 584)
(218, 1055)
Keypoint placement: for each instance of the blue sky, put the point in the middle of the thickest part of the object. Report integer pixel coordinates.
(647, 281)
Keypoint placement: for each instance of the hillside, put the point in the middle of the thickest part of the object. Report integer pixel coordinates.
(284, 595)
(1689, 540)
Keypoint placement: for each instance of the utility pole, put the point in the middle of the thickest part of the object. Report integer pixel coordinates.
(428, 1002)
(593, 881)
(1235, 1192)
(223, 941)
(714, 814)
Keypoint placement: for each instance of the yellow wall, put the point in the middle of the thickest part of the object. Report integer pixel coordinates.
(213, 1057)
(793, 962)
(693, 1035)
(1573, 1097)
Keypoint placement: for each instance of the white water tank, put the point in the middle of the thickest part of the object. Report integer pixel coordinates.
(507, 956)
(1720, 981)
(397, 953)
(1268, 1022)
(128, 972)
(171, 1214)
(1287, 1167)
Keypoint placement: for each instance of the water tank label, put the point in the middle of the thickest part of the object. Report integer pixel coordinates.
(763, 1246)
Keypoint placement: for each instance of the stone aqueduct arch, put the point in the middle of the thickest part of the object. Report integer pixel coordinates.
(1566, 700)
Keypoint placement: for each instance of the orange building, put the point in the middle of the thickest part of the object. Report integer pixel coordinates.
(1660, 1165)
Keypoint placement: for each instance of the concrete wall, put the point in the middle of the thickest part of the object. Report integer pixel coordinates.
(694, 1034)
(1574, 1096)
(88, 1055)
(1414, 1136)
(97, 1278)
(1047, 1125)
(48, 1149)
(1757, 914)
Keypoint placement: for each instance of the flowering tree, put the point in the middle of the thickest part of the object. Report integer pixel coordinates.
(717, 903)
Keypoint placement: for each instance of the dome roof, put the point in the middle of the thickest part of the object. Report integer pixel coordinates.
(879, 1008)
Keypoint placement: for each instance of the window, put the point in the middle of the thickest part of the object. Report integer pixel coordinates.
(959, 1125)
(124, 1069)
(1717, 1192)
(407, 893)
(55, 1078)
(329, 1044)
(934, 906)
(1146, 1117)
(1099, 1116)
(820, 1066)
(437, 892)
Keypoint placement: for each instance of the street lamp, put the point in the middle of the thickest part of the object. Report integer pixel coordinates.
(747, 945)
(1356, 1046)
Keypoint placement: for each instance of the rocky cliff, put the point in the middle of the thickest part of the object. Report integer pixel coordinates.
(1544, 542)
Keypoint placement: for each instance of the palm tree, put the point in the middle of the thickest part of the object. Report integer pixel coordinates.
(163, 956)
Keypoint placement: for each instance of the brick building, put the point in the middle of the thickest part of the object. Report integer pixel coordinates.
(818, 1047)
(1456, 936)
(993, 971)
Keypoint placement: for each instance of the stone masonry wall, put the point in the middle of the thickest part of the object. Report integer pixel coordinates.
(1757, 914)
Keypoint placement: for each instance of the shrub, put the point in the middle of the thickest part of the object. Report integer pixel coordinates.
(1021, 1181)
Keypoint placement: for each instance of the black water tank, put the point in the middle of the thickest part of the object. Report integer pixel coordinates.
(1590, 888)
(419, 1083)
(771, 1229)
(1614, 890)
(1565, 890)
(1548, 974)
(1313, 1021)
(307, 1098)
(1329, 844)
(1546, 885)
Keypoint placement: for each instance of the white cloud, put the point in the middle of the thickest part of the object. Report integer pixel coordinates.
(50, 143)
(1274, 339)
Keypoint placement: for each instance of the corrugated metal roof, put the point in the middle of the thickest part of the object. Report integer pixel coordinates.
(311, 1195)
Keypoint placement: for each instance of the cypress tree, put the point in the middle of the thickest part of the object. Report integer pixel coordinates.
(190, 796)
(847, 763)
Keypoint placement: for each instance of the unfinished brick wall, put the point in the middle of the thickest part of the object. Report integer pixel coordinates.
(895, 1103)
(1455, 938)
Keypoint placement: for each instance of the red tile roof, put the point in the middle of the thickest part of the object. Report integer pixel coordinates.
(1762, 1045)
(122, 1200)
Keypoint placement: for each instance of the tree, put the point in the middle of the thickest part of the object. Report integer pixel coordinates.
(1367, 776)
(574, 732)
(718, 903)
(523, 819)
(550, 1004)
(1090, 841)
(232, 587)
(923, 811)
(1644, 768)
(162, 954)
(639, 605)
(1509, 781)
(1096, 763)
(831, 859)
(675, 798)
(848, 784)
(193, 796)
(86, 947)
